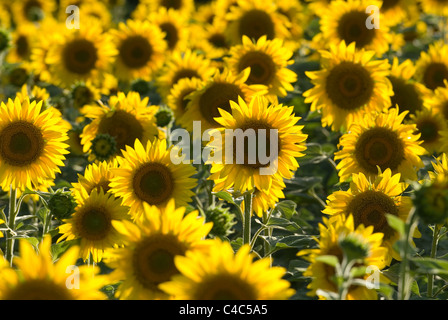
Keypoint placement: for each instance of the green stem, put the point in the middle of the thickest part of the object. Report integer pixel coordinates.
(404, 281)
(11, 224)
(435, 241)
(247, 218)
(267, 233)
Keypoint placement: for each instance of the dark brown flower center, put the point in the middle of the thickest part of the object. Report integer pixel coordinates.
(153, 183)
(21, 143)
(80, 56)
(349, 86)
(379, 147)
(262, 68)
(352, 28)
(135, 52)
(256, 23)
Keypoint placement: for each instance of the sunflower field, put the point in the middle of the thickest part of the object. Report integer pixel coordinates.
(117, 181)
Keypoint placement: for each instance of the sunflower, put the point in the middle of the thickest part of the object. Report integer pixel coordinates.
(407, 93)
(149, 176)
(175, 27)
(294, 12)
(430, 127)
(184, 7)
(211, 39)
(32, 144)
(46, 38)
(395, 12)
(177, 99)
(432, 66)
(434, 7)
(141, 49)
(380, 141)
(95, 177)
(331, 241)
(96, 10)
(26, 11)
(215, 94)
(84, 54)
(92, 223)
(350, 84)
(347, 22)
(83, 94)
(440, 167)
(259, 114)
(221, 274)
(38, 277)
(438, 101)
(263, 201)
(150, 247)
(369, 201)
(126, 118)
(23, 38)
(183, 65)
(268, 61)
(254, 19)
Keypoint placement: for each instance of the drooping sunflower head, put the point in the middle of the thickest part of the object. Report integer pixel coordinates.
(369, 202)
(91, 223)
(215, 94)
(254, 19)
(432, 66)
(147, 175)
(268, 61)
(347, 22)
(183, 65)
(221, 274)
(380, 140)
(32, 143)
(266, 141)
(430, 126)
(126, 117)
(147, 259)
(333, 239)
(350, 84)
(37, 277)
(141, 47)
(84, 54)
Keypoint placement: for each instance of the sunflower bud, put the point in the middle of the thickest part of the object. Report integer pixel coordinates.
(103, 147)
(222, 219)
(164, 117)
(431, 201)
(61, 204)
(141, 86)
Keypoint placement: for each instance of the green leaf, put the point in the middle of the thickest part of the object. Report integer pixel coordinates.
(431, 266)
(224, 195)
(32, 240)
(60, 248)
(396, 223)
(328, 259)
(282, 223)
(287, 208)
